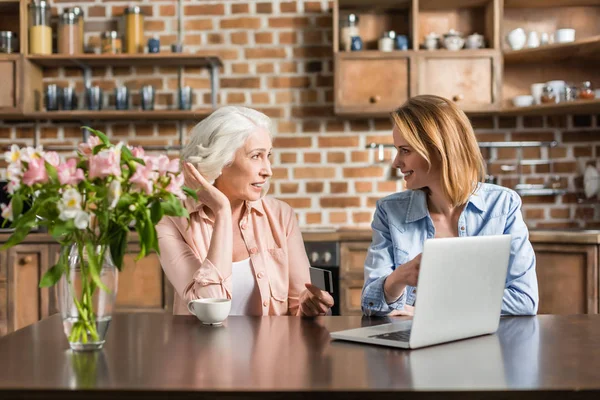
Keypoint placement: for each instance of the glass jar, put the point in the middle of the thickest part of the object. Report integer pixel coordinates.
(78, 11)
(111, 43)
(586, 92)
(386, 42)
(40, 32)
(69, 35)
(8, 42)
(134, 30)
(570, 93)
(548, 95)
(348, 31)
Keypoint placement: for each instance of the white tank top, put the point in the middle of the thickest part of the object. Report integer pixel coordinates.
(244, 289)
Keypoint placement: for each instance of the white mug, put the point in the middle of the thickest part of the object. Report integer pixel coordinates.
(533, 40)
(210, 311)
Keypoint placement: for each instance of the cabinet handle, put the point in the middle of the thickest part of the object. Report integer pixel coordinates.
(25, 260)
(374, 99)
(458, 97)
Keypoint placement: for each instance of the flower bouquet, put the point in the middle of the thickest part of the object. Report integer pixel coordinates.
(89, 204)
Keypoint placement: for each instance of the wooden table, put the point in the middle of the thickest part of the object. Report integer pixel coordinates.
(155, 355)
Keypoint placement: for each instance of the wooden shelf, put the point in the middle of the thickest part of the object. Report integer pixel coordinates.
(374, 54)
(464, 53)
(549, 3)
(568, 107)
(441, 53)
(588, 48)
(111, 115)
(125, 60)
(362, 4)
(431, 5)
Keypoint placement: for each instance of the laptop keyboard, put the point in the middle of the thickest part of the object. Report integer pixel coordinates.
(399, 336)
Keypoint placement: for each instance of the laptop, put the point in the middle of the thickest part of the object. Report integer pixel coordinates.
(461, 285)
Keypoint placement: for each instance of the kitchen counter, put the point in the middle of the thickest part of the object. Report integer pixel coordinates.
(154, 355)
(536, 236)
(364, 235)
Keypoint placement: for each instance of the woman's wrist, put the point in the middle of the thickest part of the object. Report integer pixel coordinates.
(393, 287)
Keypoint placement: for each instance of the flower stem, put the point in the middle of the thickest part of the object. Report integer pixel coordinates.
(86, 320)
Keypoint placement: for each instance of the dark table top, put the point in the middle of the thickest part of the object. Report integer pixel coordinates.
(156, 354)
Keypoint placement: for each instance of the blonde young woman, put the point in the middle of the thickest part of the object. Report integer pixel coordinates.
(239, 244)
(445, 197)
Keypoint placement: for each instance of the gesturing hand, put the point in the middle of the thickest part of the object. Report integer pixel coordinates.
(207, 194)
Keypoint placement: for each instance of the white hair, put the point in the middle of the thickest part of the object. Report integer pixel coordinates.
(215, 139)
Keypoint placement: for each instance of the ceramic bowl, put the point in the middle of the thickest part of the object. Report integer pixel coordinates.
(523, 101)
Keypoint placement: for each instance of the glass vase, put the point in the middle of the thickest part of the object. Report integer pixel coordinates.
(86, 295)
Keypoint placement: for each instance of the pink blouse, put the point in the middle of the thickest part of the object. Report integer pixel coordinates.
(274, 242)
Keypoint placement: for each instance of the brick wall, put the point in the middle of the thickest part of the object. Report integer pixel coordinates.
(278, 59)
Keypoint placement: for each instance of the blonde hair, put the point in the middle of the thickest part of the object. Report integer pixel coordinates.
(436, 128)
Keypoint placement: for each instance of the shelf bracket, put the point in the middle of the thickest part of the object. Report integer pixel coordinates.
(214, 83)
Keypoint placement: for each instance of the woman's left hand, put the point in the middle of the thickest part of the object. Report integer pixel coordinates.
(315, 301)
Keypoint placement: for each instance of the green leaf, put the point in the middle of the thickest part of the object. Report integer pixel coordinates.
(17, 206)
(60, 229)
(118, 247)
(125, 201)
(156, 212)
(94, 267)
(53, 274)
(103, 138)
(126, 154)
(51, 170)
(17, 237)
(151, 233)
(98, 149)
(190, 192)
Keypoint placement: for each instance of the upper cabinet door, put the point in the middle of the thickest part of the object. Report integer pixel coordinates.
(468, 81)
(8, 85)
(370, 85)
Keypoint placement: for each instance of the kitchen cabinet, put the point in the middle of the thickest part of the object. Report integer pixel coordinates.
(470, 80)
(482, 81)
(567, 267)
(142, 285)
(372, 84)
(353, 256)
(567, 278)
(20, 86)
(26, 303)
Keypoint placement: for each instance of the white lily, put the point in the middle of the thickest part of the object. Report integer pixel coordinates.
(31, 153)
(114, 193)
(82, 220)
(13, 155)
(13, 171)
(7, 213)
(70, 204)
(12, 186)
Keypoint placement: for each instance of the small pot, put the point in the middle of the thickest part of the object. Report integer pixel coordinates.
(432, 41)
(453, 40)
(475, 41)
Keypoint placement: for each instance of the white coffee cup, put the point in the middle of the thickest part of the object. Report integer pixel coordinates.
(564, 35)
(210, 311)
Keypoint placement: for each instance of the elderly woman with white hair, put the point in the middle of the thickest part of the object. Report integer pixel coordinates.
(239, 244)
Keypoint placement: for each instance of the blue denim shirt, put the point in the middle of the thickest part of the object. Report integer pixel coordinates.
(402, 223)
